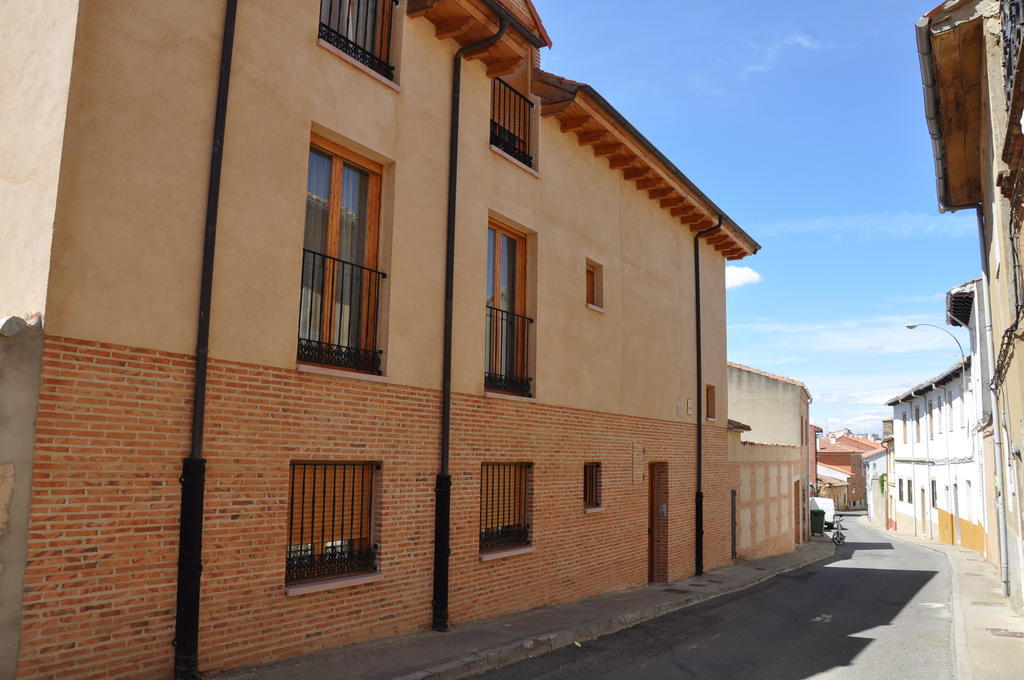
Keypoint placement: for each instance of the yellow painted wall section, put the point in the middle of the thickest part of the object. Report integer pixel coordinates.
(134, 194)
(947, 529)
(37, 41)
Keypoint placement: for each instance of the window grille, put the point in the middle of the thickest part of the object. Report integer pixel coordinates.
(592, 485)
(503, 505)
(330, 520)
(510, 121)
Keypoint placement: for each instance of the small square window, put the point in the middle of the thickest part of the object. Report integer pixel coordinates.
(595, 284)
(592, 485)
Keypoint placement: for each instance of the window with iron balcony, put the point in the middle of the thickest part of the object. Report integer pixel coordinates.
(511, 114)
(362, 30)
(507, 340)
(340, 296)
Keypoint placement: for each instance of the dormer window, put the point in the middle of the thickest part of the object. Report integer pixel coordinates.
(362, 30)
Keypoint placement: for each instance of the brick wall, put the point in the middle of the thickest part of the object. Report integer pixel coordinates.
(114, 426)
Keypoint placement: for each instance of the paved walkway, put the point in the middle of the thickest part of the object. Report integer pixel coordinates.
(480, 646)
(990, 636)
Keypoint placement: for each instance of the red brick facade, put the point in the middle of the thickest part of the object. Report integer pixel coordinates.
(113, 428)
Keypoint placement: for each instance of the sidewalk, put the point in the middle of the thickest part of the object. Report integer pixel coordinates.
(484, 645)
(989, 635)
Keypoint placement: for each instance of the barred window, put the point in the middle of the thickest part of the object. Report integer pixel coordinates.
(504, 494)
(331, 520)
(592, 485)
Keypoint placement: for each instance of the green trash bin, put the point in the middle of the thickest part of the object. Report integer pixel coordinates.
(818, 522)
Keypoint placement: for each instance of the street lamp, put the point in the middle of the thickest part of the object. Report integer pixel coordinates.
(963, 358)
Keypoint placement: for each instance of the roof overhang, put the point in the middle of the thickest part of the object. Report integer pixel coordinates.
(951, 50)
(934, 383)
(960, 304)
(467, 21)
(580, 109)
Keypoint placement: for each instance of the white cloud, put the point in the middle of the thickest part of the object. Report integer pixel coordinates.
(901, 225)
(768, 56)
(740, 276)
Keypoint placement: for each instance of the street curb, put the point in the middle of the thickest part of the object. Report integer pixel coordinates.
(961, 652)
(484, 660)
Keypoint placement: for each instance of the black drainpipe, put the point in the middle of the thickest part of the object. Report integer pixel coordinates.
(443, 486)
(190, 540)
(699, 519)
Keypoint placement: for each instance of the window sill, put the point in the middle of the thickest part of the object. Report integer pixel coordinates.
(341, 373)
(368, 71)
(510, 552)
(509, 397)
(590, 511)
(596, 308)
(518, 164)
(332, 584)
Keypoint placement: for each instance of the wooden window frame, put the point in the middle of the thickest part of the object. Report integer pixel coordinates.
(521, 360)
(375, 171)
(591, 485)
(520, 239)
(340, 156)
(594, 285)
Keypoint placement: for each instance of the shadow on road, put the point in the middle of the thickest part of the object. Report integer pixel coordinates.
(801, 625)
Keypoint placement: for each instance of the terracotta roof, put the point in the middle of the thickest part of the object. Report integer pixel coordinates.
(863, 444)
(845, 469)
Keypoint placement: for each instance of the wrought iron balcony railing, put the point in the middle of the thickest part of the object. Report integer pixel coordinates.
(361, 29)
(1012, 15)
(508, 344)
(510, 121)
(338, 311)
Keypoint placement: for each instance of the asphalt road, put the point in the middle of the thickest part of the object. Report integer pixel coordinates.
(879, 609)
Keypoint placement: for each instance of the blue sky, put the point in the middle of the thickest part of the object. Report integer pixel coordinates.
(805, 124)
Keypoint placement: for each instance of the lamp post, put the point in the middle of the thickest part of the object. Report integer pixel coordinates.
(963, 407)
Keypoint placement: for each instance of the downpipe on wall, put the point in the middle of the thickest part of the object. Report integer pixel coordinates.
(443, 485)
(698, 558)
(190, 539)
(997, 447)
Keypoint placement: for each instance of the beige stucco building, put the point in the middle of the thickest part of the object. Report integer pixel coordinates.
(531, 332)
(773, 442)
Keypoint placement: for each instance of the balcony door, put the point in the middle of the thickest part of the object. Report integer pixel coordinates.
(507, 325)
(340, 282)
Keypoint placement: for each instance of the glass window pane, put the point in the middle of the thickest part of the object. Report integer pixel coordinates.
(355, 185)
(318, 192)
(508, 274)
(490, 267)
